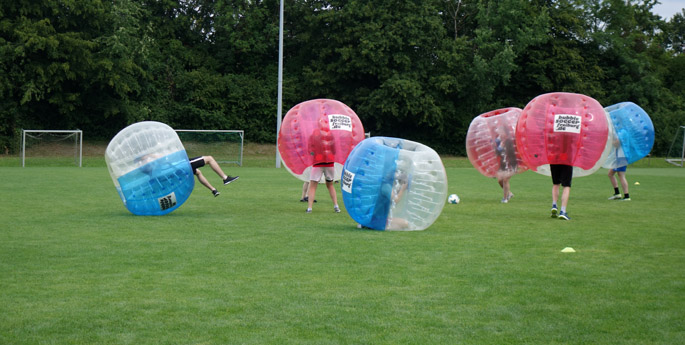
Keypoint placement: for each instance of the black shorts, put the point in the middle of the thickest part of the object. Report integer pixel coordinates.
(561, 174)
(197, 162)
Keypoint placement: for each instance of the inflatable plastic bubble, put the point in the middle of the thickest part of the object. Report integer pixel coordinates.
(491, 143)
(150, 168)
(318, 131)
(563, 128)
(394, 184)
(633, 134)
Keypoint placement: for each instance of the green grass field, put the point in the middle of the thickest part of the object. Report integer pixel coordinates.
(250, 267)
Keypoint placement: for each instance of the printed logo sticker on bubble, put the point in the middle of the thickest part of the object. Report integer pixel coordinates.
(340, 122)
(167, 202)
(567, 123)
(347, 180)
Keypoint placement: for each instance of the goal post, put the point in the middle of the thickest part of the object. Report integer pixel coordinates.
(52, 145)
(676, 153)
(225, 145)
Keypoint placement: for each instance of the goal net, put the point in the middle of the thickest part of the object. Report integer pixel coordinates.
(676, 153)
(52, 147)
(226, 146)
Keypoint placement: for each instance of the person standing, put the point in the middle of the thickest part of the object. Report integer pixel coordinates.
(508, 164)
(322, 149)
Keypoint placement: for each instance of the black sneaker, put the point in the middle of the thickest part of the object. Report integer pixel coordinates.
(306, 199)
(230, 179)
(216, 193)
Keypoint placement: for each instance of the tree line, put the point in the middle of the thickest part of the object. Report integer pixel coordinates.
(414, 69)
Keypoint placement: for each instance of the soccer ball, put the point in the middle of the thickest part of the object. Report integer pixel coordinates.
(453, 199)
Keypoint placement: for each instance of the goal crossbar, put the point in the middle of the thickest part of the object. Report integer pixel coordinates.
(79, 139)
(240, 132)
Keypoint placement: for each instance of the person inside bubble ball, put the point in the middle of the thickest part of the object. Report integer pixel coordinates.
(323, 151)
(197, 162)
(621, 172)
(399, 190)
(506, 150)
(391, 193)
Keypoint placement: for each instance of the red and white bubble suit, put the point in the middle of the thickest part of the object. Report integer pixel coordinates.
(563, 128)
(491, 143)
(318, 131)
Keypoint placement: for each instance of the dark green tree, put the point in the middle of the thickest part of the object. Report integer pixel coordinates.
(46, 61)
(246, 50)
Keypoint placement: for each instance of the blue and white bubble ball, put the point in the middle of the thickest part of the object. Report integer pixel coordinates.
(394, 184)
(632, 137)
(150, 168)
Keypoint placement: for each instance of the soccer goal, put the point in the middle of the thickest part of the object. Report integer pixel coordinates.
(226, 146)
(52, 147)
(676, 153)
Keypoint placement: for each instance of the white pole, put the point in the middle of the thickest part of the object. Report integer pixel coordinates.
(682, 154)
(280, 83)
(80, 149)
(23, 147)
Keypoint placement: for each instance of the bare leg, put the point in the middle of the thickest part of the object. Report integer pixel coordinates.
(397, 224)
(215, 166)
(203, 180)
(312, 193)
(331, 191)
(555, 193)
(564, 197)
(624, 182)
(506, 189)
(305, 187)
(612, 178)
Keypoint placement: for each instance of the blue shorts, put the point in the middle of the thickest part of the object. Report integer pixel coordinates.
(622, 169)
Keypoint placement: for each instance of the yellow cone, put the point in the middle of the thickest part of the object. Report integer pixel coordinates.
(568, 250)
(637, 183)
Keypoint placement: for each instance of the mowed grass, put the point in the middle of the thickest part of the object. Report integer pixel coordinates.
(250, 267)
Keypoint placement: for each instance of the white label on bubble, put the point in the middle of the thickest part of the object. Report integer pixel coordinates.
(567, 123)
(167, 202)
(340, 122)
(347, 180)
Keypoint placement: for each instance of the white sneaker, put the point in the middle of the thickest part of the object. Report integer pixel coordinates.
(615, 197)
(336, 209)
